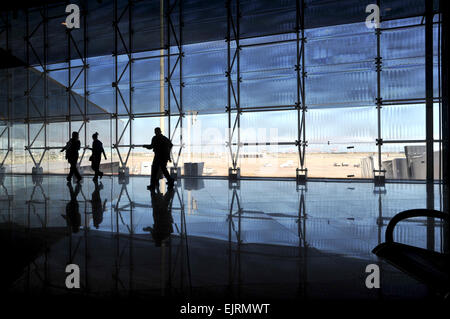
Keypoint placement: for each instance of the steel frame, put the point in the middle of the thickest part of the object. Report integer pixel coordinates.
(445, 117)
(172, 94)
(119, 97)
(379, 173)
(429, 119)
(44, 76)
(300, 104)
(428, 100)
(42, 62)
(174, 56)
(83, 57)
(233, 86)
(234, 79)
(175, 35)
(6, 131)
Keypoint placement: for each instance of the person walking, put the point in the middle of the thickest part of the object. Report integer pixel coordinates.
(72, 147)
(161, 146)
(96, 157)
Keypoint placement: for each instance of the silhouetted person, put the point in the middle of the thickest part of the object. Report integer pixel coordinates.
(72, 216)
(162, 216)
(97, 206)
(161, 145)
(72, 147)
(96, 157)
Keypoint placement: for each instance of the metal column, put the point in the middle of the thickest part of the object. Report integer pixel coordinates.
(174, 40)
(80, 72)
(42, 62)
(444, 7)
(429, 118)
(300, 104)
(233, 86)
(6, 131)
(379, 173)
(122, 98)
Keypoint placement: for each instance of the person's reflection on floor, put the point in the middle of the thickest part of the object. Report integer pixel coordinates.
(162, 216)
(97, 207)
(72, 216)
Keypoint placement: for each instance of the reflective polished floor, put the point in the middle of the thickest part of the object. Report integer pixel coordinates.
(261, 239)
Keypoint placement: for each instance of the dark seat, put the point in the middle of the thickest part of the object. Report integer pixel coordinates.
(427, 266)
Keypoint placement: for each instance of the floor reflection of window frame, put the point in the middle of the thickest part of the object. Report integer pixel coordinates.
(9, 198)
(37, 184)
(119, 252)
(302, 242)
(31, 208)
(235, 187)
(380, 190)
(182, 252)
(182, 248)
(73, 252)
(236, 200)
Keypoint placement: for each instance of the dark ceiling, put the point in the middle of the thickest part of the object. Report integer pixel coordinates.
(204, 20)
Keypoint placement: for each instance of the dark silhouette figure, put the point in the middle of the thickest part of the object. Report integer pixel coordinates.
(162, 216)
(96, 157)
(72, 147)
(161, 146)
(72, 216)
(97, 206)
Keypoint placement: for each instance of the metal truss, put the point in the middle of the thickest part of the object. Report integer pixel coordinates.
(300, 104)
(124, 93)
(73, 104)
(81, 75)
(173, 56)
(233, 74)
(121, 97)
(175, 38)
(379, 173)
(31, 85)
(233, 85)
(5, 127)
(427, 23)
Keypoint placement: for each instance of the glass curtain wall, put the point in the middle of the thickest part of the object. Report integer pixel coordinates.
(184, 87)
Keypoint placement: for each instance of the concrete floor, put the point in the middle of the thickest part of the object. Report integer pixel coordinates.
(281, 242)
